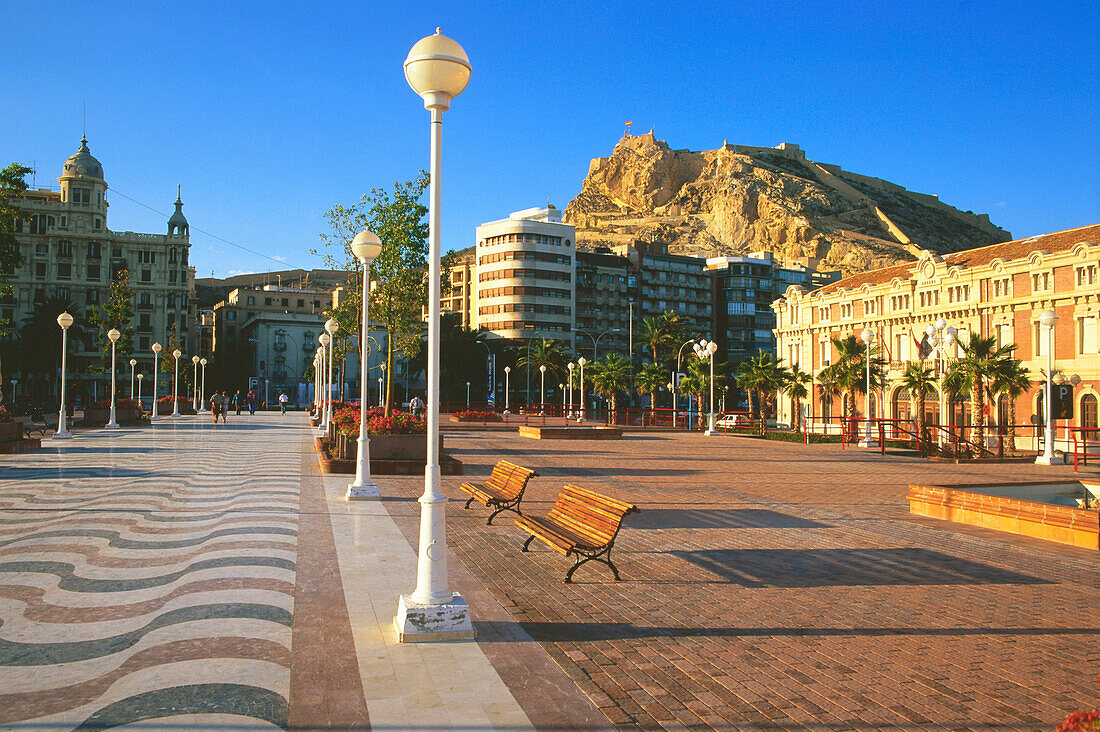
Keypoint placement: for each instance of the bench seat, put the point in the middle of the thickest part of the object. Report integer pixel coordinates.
(502, 491)
(582, 523)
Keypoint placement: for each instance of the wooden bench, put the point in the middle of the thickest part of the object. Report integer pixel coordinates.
(583, 523)
(46, 425)
(503, 490)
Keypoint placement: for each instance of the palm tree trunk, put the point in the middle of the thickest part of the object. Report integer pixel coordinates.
(978, 399)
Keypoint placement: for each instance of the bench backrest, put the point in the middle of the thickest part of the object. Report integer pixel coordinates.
(594, 516)
(509, 479)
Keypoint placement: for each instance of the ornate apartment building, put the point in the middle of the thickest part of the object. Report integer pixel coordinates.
(997, 290)
(69, 253)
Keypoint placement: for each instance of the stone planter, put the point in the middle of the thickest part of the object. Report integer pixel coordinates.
(387, 447)
(11, 431)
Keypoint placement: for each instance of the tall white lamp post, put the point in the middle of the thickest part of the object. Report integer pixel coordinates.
(326, 388)
(331, 326)
(64, 320)
(176, 384)
(133, 363)
(365, 246)
(941, 337)
(319, 377)
(1047, 319)
(570, 389)
(868, 337)
(113, 335)
(707, 349)
(581, 362)
(156, 367)
(467, 394)
(438, 70)
(542, 389)
(507, 371)
(139, 378)
(202, 391)
(195, 384)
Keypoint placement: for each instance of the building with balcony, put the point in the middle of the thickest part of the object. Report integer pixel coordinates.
(607, 297)
(70, 257)
(998, 290)
(525, 276)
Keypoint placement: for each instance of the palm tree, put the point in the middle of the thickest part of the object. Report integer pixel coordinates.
(918, 382)
(542, 352)
(968, 374)
(828, 388)
(849, 371)
(40, 337)
(610, 375)
(652, 334)
(795, 382)
(761, 374)
(1011, 379)
(650, 380)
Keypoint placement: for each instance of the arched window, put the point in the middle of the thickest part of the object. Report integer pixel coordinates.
(1089, 412)
(902, 410)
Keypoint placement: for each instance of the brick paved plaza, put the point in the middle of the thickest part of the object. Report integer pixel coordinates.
(195, 576)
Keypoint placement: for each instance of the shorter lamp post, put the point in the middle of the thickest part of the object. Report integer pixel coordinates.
(331, 326)
(365, 246)
(139, 378)
(380, 401)
(202, 391)
(1047, 319)
(507, 371)
(383, 394)
(113, 335)
(13, 393)
(868, 337)
(156, 366)
(561, 388)
(705, 349)
(542, 389)
(133, 363)
(326, 388)
(176, 384)
(570, 389)
(672, 393)
(195, 385)
(467, 394)
(64, 320)
(318, 381)
(584, 411)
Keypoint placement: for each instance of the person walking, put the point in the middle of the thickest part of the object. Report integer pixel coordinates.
(225, 405)
(283, 399)
(216, 405)
(251, 402)
(237, 399)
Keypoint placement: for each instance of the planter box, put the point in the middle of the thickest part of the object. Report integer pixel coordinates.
(11, 431)
(571, 433)
(386, 447)
(330, 461)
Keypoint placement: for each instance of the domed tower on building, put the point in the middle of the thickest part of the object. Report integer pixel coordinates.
(83, 188)
(177, 223)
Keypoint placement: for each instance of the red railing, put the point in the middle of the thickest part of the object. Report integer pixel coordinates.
(1086, 444)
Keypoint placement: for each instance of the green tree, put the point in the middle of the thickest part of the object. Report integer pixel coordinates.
(977, 363)
(40, 340)
(543, 352)
(1010, 379)
(399, 289)
(116, 313)
(796, 383)
(697, 383)
(609, 376)
(761, 375)
(918, 382)
(650, 380)
(849, 373)
(12, 187)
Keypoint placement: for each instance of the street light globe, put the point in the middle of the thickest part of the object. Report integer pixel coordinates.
(437, 69)
(331, 326)
(65, 320)
(561, 386)
(868, 335)
(1075, 379)
(177, 353)
(581, 361)
(949, 337)
(156, 348)
(930, 331)
(325, 339)
(113, 334)
(1047, 318)
(542, 369)
(940, 324)
(194, 359)
(1059, 378)
(133, 362)
(952, 331)
(365, 246)
(570, 365)
(669, 385)
(202, 361)
(140, 377)
(712, 348)
(507, 369)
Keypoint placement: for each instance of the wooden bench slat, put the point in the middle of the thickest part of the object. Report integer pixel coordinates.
(502, 490)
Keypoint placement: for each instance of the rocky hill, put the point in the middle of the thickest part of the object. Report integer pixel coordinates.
(739, 199)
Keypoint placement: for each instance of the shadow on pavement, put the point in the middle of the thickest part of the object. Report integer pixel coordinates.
(723, 518)
(16, 472)
(849, 567)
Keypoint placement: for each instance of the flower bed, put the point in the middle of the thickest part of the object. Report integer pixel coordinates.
(346, 420)
(164, 406)
(5, 415)
(473, 415)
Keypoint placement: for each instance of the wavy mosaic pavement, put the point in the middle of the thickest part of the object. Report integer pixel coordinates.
(136, 580)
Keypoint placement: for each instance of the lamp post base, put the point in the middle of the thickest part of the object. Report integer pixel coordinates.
(1049, 460)
(111, 426)
(59, 435)
(867, 442)
(363, 492)
(416, 623)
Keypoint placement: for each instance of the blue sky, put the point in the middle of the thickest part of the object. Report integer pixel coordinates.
(268, 114)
